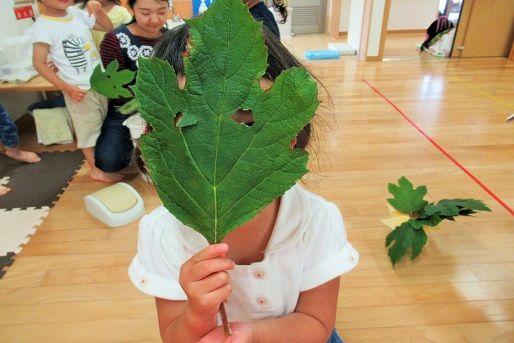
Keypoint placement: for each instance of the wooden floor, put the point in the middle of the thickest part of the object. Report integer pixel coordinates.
(70, 282)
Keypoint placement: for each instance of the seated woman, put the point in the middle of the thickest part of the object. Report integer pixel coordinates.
(126, 44)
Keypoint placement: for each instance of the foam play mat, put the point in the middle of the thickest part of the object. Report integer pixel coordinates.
(38, 184)
(34, 189)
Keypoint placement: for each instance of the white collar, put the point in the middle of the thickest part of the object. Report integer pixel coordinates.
(289, 226)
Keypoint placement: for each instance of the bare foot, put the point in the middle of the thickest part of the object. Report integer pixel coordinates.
(99, 175)
(24, 156)
(4, 190)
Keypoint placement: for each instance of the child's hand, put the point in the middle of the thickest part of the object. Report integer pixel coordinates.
(94, 7)
(76, 94)
(241, 333)
(53, 67)
(205, 280)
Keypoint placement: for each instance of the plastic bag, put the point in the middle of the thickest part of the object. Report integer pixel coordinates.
(16, 59)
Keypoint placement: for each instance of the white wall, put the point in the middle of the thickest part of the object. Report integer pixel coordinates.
(15, 103)
(375, 28)
(404, 14)
(344, 16)
(9, 26)
(355, 25)
(412, 14)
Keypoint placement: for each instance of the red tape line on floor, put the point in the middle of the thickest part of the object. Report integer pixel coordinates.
(441, 149)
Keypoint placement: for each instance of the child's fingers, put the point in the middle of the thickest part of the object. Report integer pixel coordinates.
(216, 296)
(205, 268)
(78, 97)
(210, 283)
(210, 252)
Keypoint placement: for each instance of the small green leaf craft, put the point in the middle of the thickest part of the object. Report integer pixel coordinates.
(112, 82)
(410, 235)
(213, 173)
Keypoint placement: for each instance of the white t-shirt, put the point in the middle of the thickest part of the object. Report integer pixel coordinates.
(308, 247)
(72, 48)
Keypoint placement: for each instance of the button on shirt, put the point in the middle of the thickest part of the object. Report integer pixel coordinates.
(308, 247)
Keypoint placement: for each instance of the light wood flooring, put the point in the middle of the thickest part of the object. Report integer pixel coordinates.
(70, 284)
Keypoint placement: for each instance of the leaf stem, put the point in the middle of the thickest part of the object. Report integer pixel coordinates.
(224, 320)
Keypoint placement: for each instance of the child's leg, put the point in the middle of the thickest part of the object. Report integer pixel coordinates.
(9, 138)
(97, 174)
(87, 117)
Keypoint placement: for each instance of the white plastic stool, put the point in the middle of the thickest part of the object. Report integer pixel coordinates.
(115, 205)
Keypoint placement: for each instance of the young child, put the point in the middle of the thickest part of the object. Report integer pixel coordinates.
(278, 274)
(117, 14)
(9, 139)
(63, 32)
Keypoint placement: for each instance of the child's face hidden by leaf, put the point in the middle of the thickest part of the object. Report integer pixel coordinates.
(229, 154)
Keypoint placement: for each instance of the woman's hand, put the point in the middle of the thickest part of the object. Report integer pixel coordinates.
(241, 333)
(205, 280)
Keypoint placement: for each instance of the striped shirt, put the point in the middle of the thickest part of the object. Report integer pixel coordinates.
(110, 49)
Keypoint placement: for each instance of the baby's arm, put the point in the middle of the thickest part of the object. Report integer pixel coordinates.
(206, 283)
(103, 23)
(39, 58)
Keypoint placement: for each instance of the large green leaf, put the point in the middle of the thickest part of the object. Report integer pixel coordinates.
(213, 173)
(407, 199)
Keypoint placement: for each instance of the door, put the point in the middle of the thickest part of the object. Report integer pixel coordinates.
(486, 29)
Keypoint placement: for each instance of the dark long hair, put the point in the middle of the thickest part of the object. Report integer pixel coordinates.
(174, 44)
(279, 5)
(131, 3)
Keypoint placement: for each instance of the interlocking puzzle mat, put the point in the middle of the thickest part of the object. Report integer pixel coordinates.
(37, 185)
(5, 261)
(17, 226)
(35, 188)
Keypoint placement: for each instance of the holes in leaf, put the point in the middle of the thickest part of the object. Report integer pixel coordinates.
(244, 117)
(181, 82)
(178, 118)
(265, 84)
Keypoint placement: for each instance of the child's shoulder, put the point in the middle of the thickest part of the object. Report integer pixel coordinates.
(158, 219)
(308, 203)
(161, 225)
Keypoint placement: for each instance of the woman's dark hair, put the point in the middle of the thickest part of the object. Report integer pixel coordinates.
(83, 3)
(174, 44)
(280, 6)
(131, 3)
